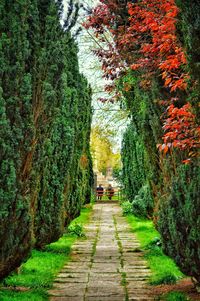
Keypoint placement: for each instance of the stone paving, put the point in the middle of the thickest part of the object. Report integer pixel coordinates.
(107, 266)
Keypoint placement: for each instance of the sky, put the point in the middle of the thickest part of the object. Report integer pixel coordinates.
(107, 115)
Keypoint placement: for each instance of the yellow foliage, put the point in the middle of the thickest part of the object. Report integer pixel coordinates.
(102, 145)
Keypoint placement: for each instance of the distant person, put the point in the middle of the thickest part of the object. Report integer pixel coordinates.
(110, 192)
(99, 192)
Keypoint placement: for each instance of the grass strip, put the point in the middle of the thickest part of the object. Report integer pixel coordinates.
(163, 268)
(39, 271)
(173, 296)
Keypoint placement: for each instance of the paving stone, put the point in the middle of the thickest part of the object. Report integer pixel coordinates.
(106, 267)
(140, 297)
(108, 258)
(97, 291)
(105, 298)
(69, 287)
(79, 298)
(95, 272)
(105, 276)
(102, 282)
(77, 264)
(71, 280)
(67, 293)
(72, 275)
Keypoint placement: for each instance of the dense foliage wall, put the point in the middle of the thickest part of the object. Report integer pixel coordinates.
(180, 219)
(179, 211)
(140, 173)
(174, 186)
(189, 32)
(16, 135)
(46, 169)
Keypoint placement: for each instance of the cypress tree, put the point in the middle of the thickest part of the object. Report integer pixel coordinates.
(63, 121)
(180, 220)
(16, 135)
(189, 33)
(141, 172)
(44, 129)
(179, 210)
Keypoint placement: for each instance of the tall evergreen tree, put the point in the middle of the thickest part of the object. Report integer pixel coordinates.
(44, 129)
(16, 134)
(179, 210)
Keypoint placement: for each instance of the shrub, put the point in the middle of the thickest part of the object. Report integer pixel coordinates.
(166, 279)
(179, 221)
(76, 229)
(127, 208)
(143, 202)
(175, 296)
(155, 243)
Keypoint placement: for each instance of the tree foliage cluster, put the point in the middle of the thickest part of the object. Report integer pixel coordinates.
(153, 64)
(144, 39)
(102, 149)
(45, 116)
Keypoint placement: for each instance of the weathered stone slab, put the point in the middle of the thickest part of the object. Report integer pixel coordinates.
(139, 298)
(79, 298)
(76, 292)
(105, 298)
(111, 292)
(104, 258)
(69, 286)
(72, 275)
(71, 280)
(107, 265)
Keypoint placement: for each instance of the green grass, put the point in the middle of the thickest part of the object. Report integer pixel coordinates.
(164, 270)
(39, 271)
(174, 296)
(33, 295)
(84, 217)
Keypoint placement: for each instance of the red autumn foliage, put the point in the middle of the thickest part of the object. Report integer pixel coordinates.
(142, 36)
(180, 130)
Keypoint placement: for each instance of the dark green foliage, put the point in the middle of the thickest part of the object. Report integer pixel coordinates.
(16, 132)
(76, 229)
(143, 204)
(154, 244)
(127, 208)
(179, 209)
(180, 221)
(139, 155)
(63, 126)
(133, 163)
(166, 279)
(189, 31)
(143, 165)
(45, 108)
(175, 296)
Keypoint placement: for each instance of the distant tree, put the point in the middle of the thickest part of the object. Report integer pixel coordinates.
(102, 148)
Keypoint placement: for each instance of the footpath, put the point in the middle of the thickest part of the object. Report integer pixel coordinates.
(107, 266)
